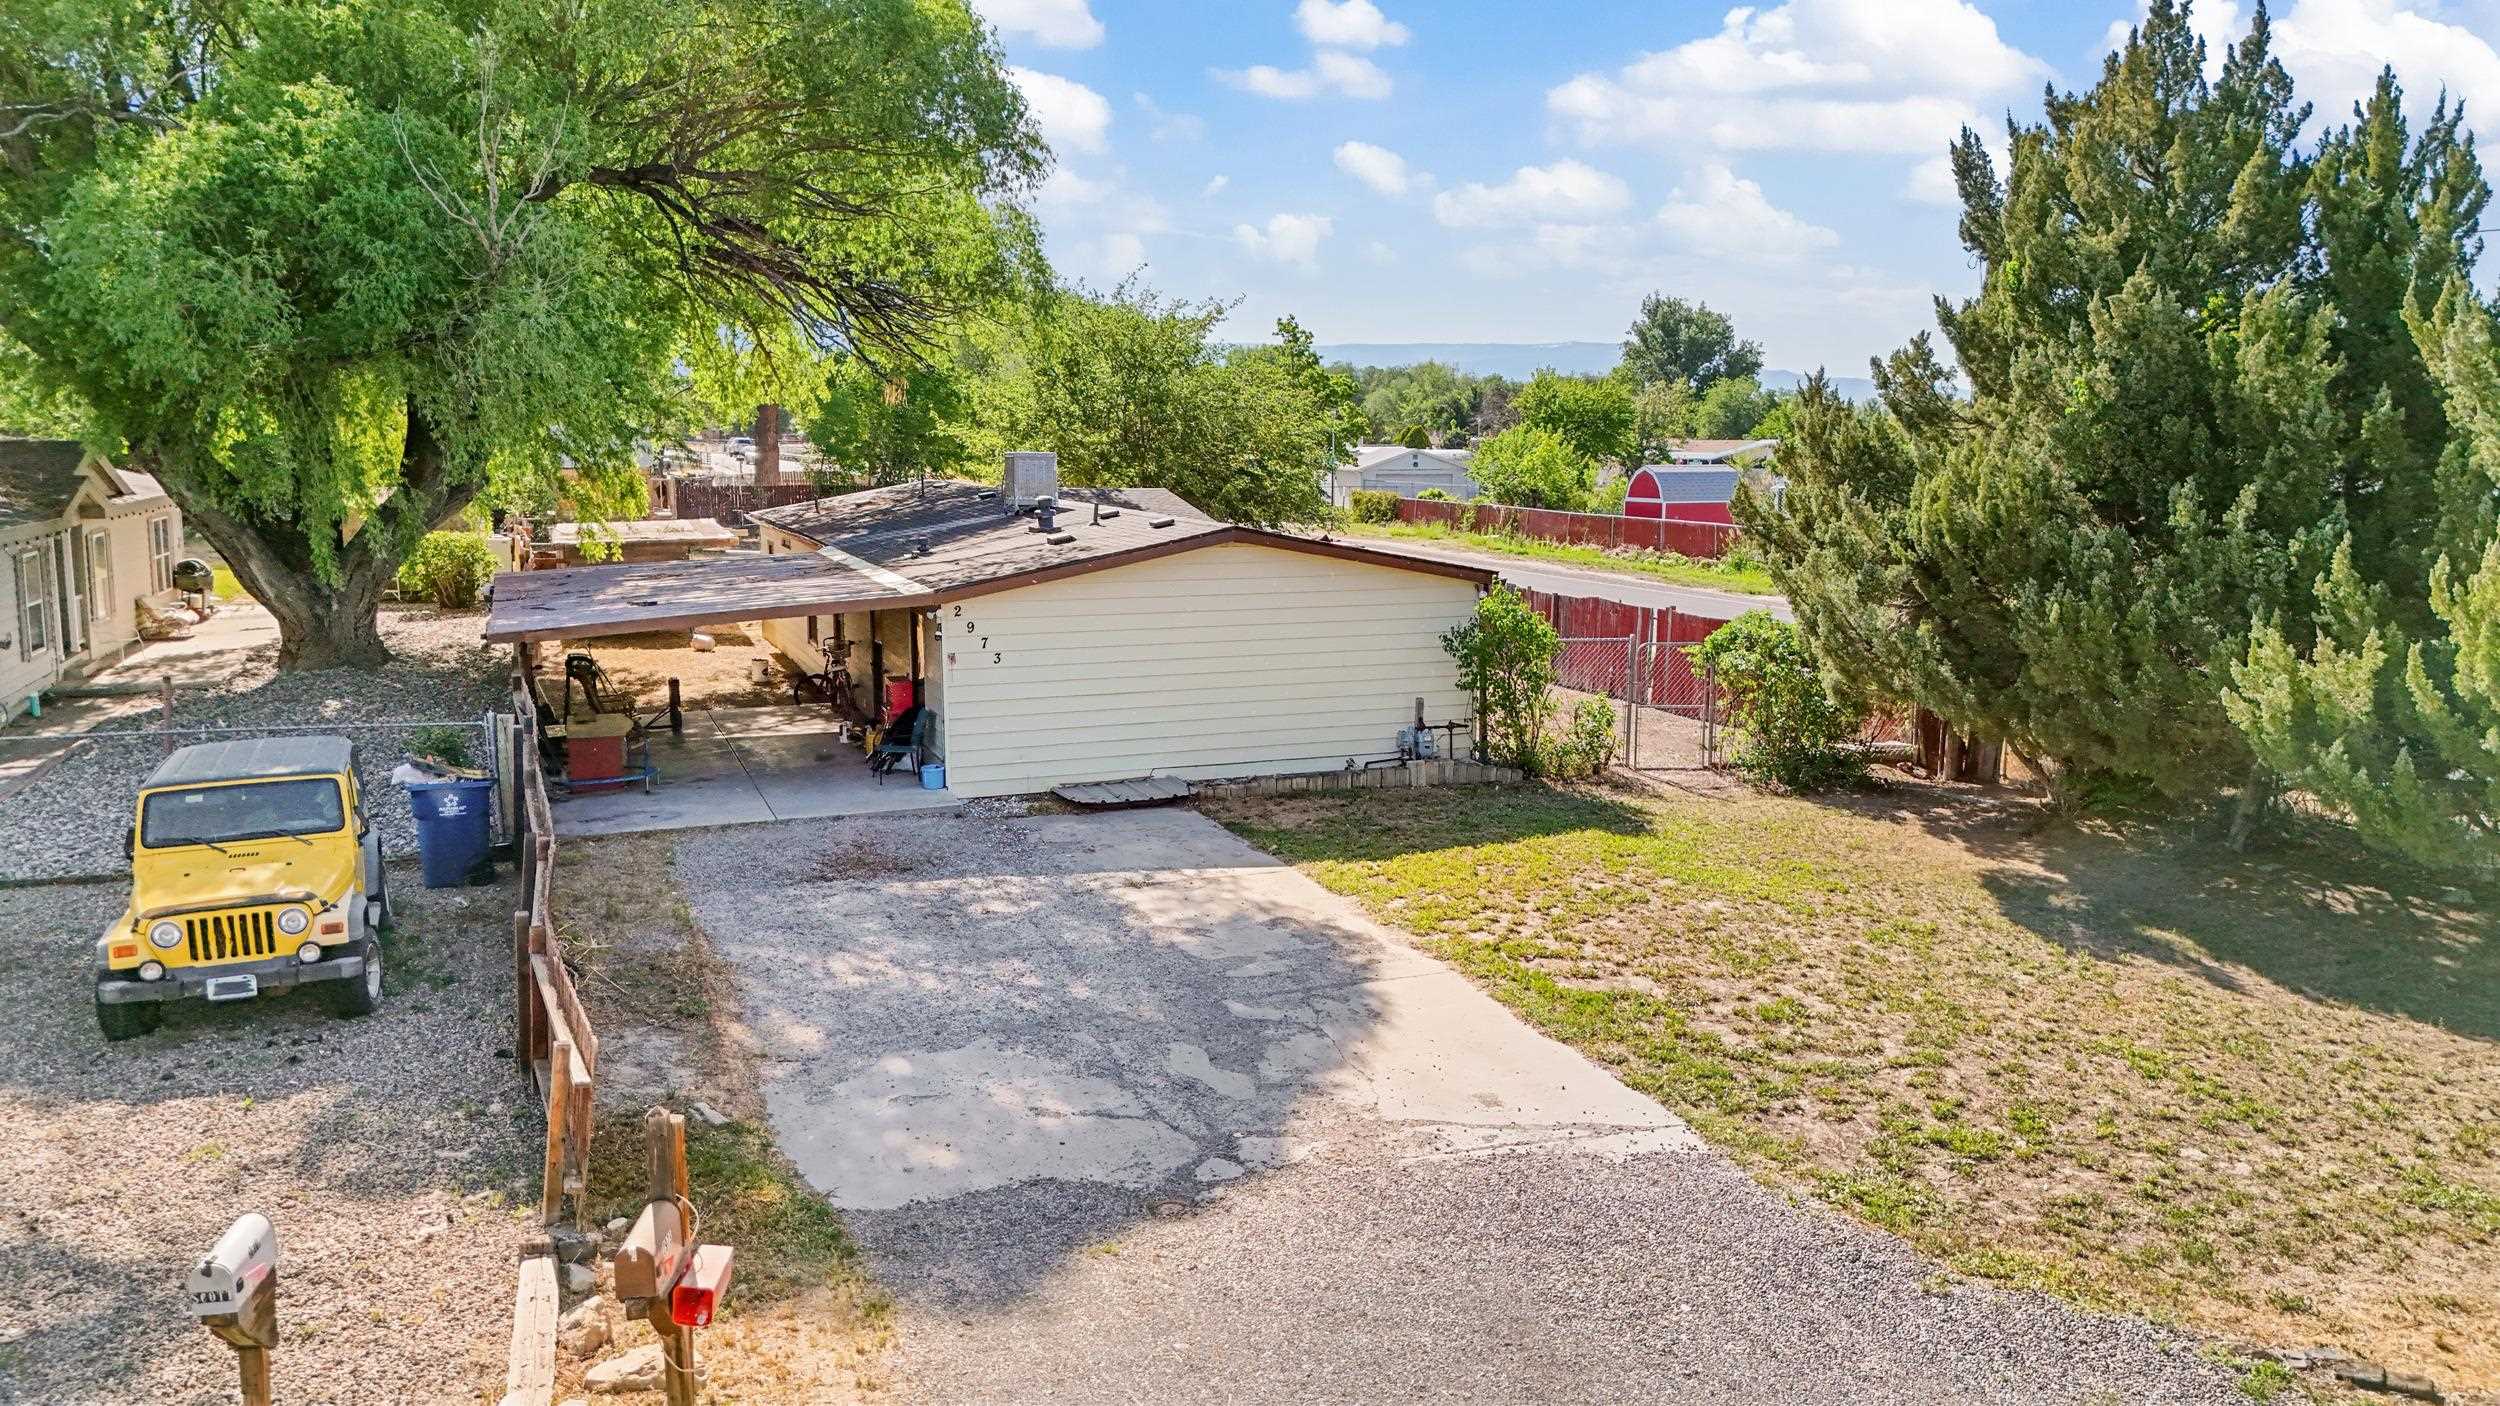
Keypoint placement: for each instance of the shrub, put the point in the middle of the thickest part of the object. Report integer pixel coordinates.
(442, 743)
(450, 569)
(1415, 437)
(1506, 662)
(1586, 746)
(1531, 468)
(1373, 505)
(1791, 731)
(1436, 495)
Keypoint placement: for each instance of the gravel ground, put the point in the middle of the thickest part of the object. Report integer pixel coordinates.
(392, 1152)
(70, 822)
(1122, 1110)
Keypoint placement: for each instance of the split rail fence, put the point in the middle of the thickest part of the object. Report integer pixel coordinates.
(1683, 537)
(555, 1036)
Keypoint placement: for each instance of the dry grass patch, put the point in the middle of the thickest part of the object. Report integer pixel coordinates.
(2255, 1096)
(804, 1324)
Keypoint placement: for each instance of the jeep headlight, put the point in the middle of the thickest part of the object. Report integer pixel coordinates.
(165, 936)
(293, 920)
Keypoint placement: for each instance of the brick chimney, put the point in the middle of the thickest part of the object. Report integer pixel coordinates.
(767, 446)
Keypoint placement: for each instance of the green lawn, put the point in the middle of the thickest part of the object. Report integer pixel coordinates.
(1663, 566)
(2258, 1096)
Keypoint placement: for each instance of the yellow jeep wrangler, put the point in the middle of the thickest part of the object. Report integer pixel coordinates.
(252, 869)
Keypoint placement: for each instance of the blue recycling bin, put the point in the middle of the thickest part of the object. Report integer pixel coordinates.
(452, 830)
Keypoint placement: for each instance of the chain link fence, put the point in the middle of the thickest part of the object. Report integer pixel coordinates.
(1667, 713)
(68, 810)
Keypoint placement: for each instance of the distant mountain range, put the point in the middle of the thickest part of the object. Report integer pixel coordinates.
(1520, 360)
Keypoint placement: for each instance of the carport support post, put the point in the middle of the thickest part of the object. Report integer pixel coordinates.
(676, 710)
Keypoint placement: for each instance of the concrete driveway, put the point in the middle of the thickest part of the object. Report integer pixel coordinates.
(1125, 1110)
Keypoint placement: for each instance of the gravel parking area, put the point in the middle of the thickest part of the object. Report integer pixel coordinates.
(70, 821)
(392, 1152)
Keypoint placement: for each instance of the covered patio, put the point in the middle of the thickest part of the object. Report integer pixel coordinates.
(736, 766)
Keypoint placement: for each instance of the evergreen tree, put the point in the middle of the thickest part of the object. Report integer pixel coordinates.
(2172, 430)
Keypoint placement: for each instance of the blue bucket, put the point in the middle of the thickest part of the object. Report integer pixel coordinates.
(933, 777)
(452, 830)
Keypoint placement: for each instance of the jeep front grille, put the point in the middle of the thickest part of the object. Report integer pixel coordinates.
(232, 937)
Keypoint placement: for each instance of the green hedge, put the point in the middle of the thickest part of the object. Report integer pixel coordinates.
(450, 569)
(1373, 505)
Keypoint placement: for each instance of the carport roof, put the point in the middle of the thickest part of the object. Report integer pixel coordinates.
(903, 547)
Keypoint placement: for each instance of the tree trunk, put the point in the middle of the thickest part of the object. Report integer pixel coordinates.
(2256, 794)
(326, 621)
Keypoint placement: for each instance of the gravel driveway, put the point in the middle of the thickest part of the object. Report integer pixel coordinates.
(69, 822)
(392, 1152)
(1124, 1110)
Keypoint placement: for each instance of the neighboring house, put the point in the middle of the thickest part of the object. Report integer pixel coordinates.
(641, 539)
(1721, 451)
(81, 541)
(1681, 494)
(1128, 638)
(1394, 468)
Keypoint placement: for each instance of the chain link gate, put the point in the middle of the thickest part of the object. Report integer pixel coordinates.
(1666, 702)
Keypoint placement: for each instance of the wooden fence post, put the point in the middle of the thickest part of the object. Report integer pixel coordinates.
(559, 1107)
(664, 1135)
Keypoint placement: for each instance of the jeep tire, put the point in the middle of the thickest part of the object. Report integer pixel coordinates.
(127, 1020)
(360, 994)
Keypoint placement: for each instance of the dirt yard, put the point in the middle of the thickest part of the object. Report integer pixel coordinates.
(389, 1152)
(2257, 1096)
(722, 677)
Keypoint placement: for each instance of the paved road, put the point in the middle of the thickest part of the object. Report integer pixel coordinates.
(1588, 581)
(1125, 1111)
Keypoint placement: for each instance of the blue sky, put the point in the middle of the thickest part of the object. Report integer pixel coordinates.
(1466, 170)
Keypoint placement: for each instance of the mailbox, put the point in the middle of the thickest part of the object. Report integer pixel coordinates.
(701, 1288)
(242, 1260)
(653, 1253)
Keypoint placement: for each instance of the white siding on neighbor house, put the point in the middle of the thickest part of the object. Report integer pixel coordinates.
(24, 670)
(1236, 660)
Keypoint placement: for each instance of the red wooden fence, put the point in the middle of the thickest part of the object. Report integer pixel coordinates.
(1666, 675)
(1607, 530)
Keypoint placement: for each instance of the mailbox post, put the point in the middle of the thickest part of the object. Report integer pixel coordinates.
(233, 1291)
(660, 1273)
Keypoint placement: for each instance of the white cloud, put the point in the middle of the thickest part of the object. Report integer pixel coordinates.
(1896, 76)
(1118, 253)
(1348, 24)
(1724, 216)
(1072, 116)
(2334, 50)
(1330, 71)
(1931, 183)
(1380, 252)
(1056, 24)
(1287, 239)
(1565, 192)
(1606, 248)
(1214, 186)
(1165, 125)
(1378, 167)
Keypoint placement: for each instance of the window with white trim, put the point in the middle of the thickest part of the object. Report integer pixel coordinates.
(34, 603)
(99, 575)
(161, 553)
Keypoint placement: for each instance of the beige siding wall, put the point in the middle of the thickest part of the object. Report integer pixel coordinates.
(22, 676)
(132, 578)
(1226, 661)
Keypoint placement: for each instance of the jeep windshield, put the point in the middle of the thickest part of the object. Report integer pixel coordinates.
(257, 810)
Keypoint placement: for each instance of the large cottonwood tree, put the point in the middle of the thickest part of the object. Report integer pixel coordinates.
(327, 266)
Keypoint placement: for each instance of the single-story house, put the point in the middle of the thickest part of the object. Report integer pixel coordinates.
(1721, 451)
(83, 542)
(643, 539)
(1113, 635)
(1681, 494)
(1394, 468)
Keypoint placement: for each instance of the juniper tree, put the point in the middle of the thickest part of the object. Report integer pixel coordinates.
(2170, 427)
